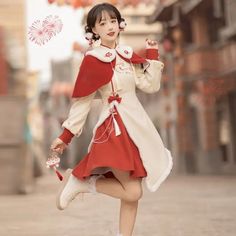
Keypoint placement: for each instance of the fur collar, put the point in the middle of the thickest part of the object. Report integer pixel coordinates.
(106, 54)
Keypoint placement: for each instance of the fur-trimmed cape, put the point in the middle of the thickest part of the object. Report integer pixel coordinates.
(97, 66)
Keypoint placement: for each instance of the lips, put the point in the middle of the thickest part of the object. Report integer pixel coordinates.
(111, 33)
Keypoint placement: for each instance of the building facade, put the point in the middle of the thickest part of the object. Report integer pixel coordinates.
(199, 84)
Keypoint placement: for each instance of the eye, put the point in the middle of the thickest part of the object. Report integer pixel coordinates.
(113, 21)
(102, 24)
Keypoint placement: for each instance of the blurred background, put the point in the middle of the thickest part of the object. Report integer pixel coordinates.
(194, 111)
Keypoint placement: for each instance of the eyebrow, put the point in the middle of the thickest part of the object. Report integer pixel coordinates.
(112, 18)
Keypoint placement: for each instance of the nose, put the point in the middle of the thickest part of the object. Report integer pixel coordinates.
(110, 26)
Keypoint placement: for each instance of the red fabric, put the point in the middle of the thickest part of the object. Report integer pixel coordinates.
(94, 73)
(117, 152)
(135, 59)
(152, 54)
(66, 136)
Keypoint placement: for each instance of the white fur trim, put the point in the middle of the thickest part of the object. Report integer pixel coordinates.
(108, 54)
(164, 175)
(125, 51)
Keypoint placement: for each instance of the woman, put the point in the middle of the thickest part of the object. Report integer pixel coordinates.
(125, 147)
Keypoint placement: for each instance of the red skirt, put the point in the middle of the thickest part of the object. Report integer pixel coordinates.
(110, 150)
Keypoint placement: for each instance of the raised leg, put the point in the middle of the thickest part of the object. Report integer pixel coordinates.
(122, 187)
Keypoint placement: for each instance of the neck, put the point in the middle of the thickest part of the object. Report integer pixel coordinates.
(109, 44)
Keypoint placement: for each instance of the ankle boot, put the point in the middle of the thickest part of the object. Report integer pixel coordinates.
(72, 186)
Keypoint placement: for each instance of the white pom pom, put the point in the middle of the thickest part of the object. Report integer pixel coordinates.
(89, 35)
(122, 24)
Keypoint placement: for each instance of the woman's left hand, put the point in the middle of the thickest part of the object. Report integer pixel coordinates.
(151, 44)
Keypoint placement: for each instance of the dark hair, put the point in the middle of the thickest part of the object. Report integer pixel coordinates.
(96, 14)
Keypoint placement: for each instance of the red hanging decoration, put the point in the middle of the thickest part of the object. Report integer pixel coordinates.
(68, 2)
(134, 2)
(53, 162)
(167, 45)
(76, 3)
(59, 175)
(85, 3)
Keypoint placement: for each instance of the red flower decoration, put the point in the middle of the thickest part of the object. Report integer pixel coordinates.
(108, 54)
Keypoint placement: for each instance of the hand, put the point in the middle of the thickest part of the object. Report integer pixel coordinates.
(151, 44)
(58, 146)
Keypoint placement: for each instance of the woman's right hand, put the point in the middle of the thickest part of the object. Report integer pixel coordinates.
(58, 146)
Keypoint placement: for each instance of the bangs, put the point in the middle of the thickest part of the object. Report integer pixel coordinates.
(96, 14)
(111, 13)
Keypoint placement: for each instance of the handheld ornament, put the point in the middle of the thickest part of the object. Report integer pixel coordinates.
(53, 162)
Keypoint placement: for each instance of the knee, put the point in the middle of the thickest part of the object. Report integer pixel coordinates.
(134, 194)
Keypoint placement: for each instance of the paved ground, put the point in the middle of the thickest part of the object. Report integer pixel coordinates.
(183, 206)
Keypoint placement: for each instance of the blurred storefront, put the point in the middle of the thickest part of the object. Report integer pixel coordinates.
(199, 39)
(16, 164)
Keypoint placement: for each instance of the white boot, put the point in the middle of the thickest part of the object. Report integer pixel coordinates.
(72, 186)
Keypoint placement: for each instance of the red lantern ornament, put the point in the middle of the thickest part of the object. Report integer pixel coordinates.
(60, 2)
(134, 3)
(76, 3)
(85, 3)
(68, 2)
(113, 2)
(167, 45)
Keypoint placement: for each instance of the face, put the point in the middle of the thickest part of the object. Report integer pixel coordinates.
(107, 28)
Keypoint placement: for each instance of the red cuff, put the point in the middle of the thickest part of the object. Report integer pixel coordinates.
(152, 54)
(66, 136)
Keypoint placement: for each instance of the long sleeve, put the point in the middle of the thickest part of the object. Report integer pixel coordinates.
(79, 110)
(148, 78)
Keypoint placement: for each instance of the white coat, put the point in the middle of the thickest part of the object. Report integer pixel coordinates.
(157, 159)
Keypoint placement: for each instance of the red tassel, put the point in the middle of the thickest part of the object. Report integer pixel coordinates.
(59, 175)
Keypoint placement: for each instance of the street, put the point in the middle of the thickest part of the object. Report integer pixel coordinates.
(183, 206)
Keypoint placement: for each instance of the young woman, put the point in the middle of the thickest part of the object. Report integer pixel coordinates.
(125, 147)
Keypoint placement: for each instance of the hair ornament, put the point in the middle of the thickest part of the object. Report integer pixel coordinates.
(122, 25)
(89, 35)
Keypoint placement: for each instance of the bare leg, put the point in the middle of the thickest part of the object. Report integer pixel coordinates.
(123, 187)
(129, 190)
(128, 212)
(111, 187)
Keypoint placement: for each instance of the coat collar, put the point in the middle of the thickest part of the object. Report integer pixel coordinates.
(106, 54)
